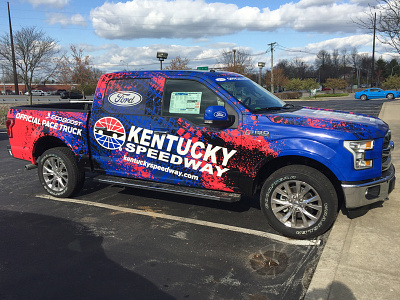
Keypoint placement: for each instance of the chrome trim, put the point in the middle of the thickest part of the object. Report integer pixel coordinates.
(355, 194)
(9, 150)
(388, 147)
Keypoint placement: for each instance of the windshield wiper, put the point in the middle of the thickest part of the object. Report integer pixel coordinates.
(286, 106)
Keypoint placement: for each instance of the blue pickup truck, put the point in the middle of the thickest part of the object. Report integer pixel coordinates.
(213, 135)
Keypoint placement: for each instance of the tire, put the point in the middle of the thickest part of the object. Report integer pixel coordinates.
(307, 210)
(390, 96)
(59, 172)
(364, 97)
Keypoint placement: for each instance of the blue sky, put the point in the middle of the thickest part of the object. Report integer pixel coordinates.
(129, 33)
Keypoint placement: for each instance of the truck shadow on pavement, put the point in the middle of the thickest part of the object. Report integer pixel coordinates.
(52, 258)
(361, 211)
(338, 289)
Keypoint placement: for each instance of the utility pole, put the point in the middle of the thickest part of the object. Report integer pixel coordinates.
(373, 54)
(234, 60)
(13, 53)
(272, 66)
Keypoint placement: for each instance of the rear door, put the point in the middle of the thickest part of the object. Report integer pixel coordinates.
(128, 105)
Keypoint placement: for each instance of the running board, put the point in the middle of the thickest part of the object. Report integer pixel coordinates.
(169, 188)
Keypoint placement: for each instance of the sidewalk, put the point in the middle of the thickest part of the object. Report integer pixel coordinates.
(361, 259)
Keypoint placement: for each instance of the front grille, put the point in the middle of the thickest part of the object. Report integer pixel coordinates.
(388, 146)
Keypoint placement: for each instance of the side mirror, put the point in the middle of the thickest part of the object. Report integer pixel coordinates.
(217, 116)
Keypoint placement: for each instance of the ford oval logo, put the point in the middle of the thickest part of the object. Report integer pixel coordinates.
(220, 114)
(125, 98)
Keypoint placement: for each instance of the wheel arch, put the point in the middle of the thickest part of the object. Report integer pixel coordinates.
(45, 143)
(277, 163)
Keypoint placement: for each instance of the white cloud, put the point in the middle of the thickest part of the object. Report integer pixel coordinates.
(313, 3)
(365, 2)
(198, 19)
(362, 42)
(63, 20)
(139, 58)
(52, 3)
(108, 56)
(349, 42)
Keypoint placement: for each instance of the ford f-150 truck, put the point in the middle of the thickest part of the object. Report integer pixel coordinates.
(213, 135)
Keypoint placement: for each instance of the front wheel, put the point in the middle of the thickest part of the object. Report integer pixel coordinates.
(299, 202)
(390, 96)
(364, 97)
(59, 172)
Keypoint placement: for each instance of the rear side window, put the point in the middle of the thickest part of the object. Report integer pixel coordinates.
(188, 99)
(126, 96)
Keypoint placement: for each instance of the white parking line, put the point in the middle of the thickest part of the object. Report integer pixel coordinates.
(187, 220)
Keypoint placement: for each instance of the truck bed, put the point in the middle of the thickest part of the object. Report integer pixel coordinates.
(83, 106)
(35, 127)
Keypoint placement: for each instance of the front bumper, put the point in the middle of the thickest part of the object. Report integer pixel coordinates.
(360, 194)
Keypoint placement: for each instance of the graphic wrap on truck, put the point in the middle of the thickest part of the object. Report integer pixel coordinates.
(190, 157)
(187, 154)
(69, 127)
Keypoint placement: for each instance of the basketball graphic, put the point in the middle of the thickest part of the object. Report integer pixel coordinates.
(109, 133)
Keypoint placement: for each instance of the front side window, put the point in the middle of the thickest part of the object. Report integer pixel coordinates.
(249, 93)
(188, 99)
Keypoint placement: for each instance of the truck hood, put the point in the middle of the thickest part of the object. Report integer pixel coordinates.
(362, 126)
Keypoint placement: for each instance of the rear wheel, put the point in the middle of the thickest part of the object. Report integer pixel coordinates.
(59, 172)
(390, 96)
(299, 202)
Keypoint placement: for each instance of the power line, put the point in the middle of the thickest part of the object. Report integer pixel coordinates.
(283, 48)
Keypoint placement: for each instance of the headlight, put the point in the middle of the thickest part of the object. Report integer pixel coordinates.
(358, 148)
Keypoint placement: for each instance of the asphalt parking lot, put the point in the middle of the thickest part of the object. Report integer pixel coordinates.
(123, 243)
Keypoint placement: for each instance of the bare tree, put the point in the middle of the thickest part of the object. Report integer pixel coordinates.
(280, 80)
(387, 22)
(77, 69)
(178, 63)
(238, 61)
(34, 54)
(295, 68)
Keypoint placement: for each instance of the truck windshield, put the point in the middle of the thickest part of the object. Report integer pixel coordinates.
(250, 94)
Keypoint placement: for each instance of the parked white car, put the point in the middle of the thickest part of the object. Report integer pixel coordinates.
(36, 93)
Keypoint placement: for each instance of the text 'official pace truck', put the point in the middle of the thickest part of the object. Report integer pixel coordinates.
(214, 135)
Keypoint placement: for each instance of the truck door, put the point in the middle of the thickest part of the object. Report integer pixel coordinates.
(192, 153)
(127, 104)
(376, 94)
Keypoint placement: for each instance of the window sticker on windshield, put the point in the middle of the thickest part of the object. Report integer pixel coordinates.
(231, 79)
(185, 103)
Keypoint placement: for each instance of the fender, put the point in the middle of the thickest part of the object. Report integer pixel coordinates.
(59, 141)
(317, 151)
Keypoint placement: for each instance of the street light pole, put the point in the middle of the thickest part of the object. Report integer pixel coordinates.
(161, 56)
(16, 91)
(260, 65)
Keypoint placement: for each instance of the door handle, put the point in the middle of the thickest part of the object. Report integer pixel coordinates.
(160, 132)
